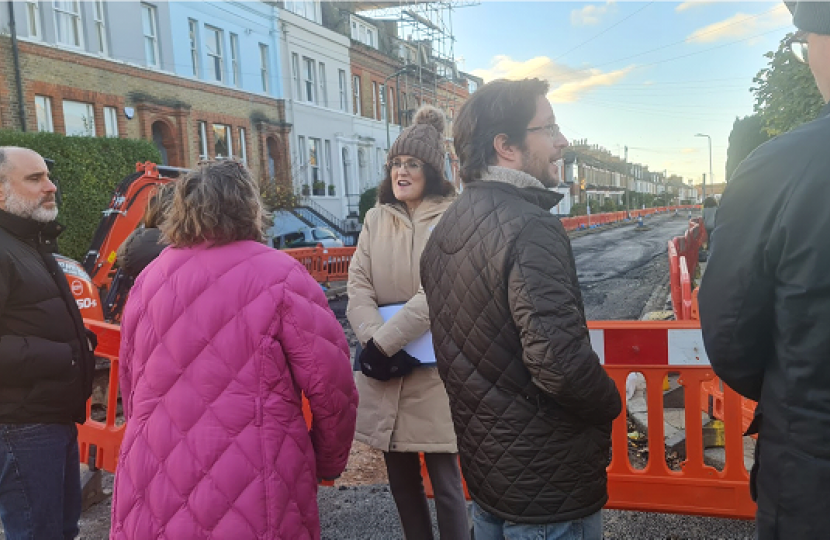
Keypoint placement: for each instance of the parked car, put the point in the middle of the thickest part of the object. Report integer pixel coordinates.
(310, 237)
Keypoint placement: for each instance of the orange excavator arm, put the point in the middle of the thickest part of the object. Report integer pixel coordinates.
(122, 217)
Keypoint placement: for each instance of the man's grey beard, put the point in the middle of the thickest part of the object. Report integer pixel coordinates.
(28, 209)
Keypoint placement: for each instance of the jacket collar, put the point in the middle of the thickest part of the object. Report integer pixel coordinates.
(429, 208)
(530, 188)
(32, 231)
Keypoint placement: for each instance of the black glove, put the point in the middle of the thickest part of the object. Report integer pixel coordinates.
(377, 365)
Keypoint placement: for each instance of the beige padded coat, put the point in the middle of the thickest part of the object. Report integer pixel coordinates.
(409, 414)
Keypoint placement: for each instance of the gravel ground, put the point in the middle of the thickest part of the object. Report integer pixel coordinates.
(619, 269)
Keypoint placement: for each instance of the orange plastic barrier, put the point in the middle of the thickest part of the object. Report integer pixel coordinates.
(674, 281)
(685, 291)
(103, 439)
(656, 348)
(695, 308)
(324, 264)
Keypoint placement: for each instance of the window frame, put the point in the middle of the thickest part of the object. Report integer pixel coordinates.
(89, 130)
(322, 94)
(375, 110)
(265, 68)
(202, 140)
(341, 78)
(47, 112)
(100, 20)
(111, 122)
(152, 11)
(195, 55)
(243, 146)
(295, 74)
(358, 106)
(218, 57)
(236, 72)
(309, 80)
(77, 22)
(228, 136)
(33, 19)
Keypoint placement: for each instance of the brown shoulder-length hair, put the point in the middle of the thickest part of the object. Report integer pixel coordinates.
(435, 184)
(218, 203)
(157, 205)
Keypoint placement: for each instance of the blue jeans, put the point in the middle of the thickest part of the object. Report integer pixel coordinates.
(489, 527)
(40, 481)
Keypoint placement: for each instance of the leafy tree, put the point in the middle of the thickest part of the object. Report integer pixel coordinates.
(786, 95)
(747, 134)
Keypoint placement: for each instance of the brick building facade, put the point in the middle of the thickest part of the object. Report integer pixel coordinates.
(188, 119)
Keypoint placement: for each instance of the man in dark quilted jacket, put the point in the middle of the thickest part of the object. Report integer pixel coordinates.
(531, 404)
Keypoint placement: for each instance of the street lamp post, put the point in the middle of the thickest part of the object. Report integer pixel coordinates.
(401, 71)
(711, 178)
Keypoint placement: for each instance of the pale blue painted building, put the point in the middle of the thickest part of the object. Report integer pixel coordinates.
(233, 44)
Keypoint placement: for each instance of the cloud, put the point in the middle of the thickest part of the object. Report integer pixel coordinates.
(567, 83)
(741, 25)
(693, 3)
(689, 151)
(591, 14)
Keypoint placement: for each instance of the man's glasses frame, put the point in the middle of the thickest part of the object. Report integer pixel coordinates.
(797, 44)
(552, 129)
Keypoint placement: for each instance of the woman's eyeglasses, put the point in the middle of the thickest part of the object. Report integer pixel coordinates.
(411, 165)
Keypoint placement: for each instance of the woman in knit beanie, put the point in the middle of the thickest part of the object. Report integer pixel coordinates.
(404, 408)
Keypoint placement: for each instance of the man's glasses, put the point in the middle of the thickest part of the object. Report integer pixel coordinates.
(798, 46)
(411, 165)
(552, 129)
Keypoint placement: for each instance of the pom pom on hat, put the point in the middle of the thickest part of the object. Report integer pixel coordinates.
(428, 114)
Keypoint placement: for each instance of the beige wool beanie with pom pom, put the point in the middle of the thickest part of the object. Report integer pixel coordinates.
(424, 139)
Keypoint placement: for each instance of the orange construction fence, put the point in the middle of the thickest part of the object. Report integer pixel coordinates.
(103, 439)
(596, 220)
(324, 264)
(655, 349)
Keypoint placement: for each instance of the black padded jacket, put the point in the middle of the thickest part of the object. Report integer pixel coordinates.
(46, 364)
(531, 404)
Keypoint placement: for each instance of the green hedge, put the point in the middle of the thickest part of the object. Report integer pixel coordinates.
(88, 169)
(368, 199)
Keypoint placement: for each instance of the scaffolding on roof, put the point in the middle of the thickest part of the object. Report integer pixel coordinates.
(424, 39)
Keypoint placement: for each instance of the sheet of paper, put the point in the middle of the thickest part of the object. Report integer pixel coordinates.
(420, 348)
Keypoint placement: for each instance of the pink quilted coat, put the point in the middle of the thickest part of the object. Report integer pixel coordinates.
(216, 346)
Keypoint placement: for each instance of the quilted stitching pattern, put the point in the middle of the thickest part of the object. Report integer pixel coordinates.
(217, 345)
(531, 404)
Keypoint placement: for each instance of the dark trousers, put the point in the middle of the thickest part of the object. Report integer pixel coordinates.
(406, 484)
(40, 481)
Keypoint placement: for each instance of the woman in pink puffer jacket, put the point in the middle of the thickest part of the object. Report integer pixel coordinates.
(220, 337)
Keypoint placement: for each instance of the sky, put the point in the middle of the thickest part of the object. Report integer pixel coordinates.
(647, 75)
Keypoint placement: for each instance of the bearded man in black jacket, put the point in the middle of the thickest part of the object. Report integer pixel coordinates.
(46, 360)
(765, 304)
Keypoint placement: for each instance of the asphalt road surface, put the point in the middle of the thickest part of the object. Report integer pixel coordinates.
(619, 268)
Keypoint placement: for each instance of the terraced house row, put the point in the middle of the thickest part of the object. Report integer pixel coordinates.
(308, 94)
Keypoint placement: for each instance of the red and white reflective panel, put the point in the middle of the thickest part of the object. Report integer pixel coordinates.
(649, 347)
